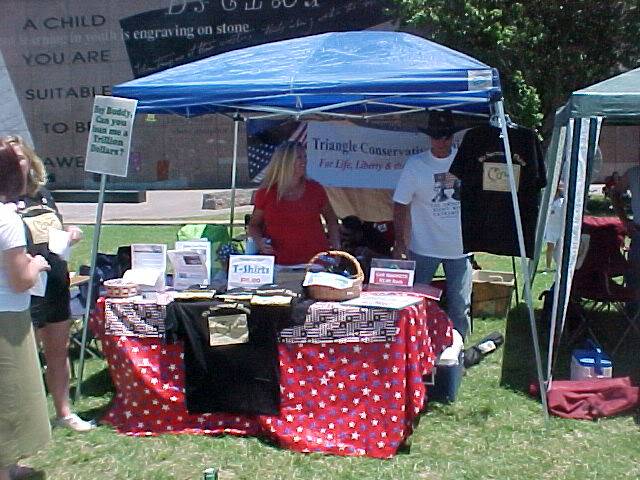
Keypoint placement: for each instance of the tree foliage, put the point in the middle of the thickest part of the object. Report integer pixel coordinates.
(544, 49)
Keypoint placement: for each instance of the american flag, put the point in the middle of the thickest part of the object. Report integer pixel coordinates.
(261, 145)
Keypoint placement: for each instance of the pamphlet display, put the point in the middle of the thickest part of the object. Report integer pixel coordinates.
(201, 245)
(189, 268)
(148, 266)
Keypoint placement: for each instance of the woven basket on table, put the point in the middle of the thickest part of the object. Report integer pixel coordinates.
(320, 292)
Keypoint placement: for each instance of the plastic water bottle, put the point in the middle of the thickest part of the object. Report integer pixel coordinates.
(251, 247)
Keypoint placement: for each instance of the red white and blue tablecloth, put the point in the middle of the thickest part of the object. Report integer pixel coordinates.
(340, 398)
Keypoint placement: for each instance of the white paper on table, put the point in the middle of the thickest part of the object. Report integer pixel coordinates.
(146, 278)
(327, 279)
(149, 256)
(189, 268)
(60, 243)
(393, 301)
(201, 245)
(40, 286)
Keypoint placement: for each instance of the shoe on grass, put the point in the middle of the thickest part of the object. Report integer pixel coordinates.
(74, 422)
(20, 472)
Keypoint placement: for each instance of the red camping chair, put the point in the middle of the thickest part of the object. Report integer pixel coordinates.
(596, 285)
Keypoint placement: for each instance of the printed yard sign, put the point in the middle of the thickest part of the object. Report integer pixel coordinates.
(110, 135)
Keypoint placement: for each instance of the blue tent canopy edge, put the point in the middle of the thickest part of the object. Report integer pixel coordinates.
(355, 72)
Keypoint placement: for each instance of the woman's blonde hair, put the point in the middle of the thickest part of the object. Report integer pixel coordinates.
(279, 173)
(37, 176)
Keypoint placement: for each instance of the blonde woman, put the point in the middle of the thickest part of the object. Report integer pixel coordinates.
(50, 314)
(286, 221)
(24, 422)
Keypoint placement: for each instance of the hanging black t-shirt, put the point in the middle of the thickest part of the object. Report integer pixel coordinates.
(488, 223)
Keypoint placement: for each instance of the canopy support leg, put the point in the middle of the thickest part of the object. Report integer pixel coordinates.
(92, 272)
(237, 119)
(523, 258)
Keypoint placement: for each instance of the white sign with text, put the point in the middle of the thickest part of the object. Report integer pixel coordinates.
(110, 135)
(250, 271)
(392, 272)
(340, 154)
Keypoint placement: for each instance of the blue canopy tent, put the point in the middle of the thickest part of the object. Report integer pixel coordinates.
(361, 74)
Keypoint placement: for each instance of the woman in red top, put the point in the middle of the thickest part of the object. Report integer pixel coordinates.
(287, 210)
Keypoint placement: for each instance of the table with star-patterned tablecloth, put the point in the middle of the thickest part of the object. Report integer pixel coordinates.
(343, 397)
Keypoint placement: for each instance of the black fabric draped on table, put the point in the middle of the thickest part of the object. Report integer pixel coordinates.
(235, 378)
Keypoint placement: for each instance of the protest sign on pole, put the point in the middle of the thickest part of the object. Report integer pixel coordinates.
(110, 135)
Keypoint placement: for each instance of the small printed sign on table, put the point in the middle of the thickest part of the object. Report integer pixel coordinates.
(393, 273)
(250, 271)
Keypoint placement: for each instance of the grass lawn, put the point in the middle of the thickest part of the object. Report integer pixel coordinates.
(494, 431)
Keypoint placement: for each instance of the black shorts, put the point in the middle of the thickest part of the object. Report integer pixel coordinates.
(54, 306)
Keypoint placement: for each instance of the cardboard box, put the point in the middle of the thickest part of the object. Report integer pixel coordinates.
(492, 292)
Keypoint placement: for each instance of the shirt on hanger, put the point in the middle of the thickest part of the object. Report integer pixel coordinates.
(487, 214)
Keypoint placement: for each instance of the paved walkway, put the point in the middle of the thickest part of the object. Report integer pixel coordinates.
(166, 206)
(162, 206)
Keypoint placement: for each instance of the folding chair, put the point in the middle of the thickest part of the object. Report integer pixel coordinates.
(596, 285)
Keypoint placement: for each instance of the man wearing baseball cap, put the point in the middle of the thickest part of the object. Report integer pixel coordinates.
(427, 204)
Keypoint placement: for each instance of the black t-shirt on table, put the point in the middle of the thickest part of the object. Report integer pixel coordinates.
(488, 223)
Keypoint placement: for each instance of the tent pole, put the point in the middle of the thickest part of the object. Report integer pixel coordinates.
(564, 149)
(92, 272)
(234, 166)
(553, 161)
(523, 258)
(515, 278)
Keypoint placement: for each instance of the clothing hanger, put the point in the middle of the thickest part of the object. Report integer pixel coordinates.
(494, 121)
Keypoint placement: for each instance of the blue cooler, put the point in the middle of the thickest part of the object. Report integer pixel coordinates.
(590, 362)
(446, 382)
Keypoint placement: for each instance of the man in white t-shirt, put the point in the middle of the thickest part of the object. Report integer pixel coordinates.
(427, 203)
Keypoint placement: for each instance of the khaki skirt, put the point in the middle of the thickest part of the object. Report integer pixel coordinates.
(24, 420)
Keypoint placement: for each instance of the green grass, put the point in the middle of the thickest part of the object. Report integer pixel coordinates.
(494, 431)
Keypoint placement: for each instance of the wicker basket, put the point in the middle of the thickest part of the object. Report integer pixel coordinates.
(321, 292)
